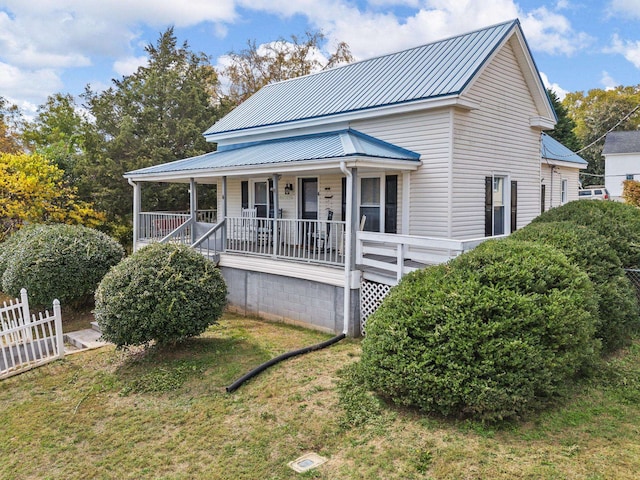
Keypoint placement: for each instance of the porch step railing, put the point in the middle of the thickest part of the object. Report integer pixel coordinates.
(154, 226)
(318, 241)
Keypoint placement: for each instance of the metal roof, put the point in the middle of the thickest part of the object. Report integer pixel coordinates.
(438, 69)
(336, 144)
(622, 142)
(552, 149)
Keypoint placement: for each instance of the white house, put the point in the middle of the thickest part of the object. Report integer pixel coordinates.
(346, 179)
(621, 160)
(559, 175)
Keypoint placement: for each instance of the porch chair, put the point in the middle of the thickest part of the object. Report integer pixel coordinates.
(249, 224)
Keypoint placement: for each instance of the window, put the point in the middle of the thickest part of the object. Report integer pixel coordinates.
(563, 191)
(370, 203)
(501, 206)
(263, 198)
(629, 176)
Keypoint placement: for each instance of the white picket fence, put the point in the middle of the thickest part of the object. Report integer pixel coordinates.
(27, 342)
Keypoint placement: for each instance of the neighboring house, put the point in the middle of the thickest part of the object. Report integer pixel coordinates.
(347, 179)
(559, 176)
(621, 160)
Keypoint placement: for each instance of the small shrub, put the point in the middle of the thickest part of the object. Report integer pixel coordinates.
(59, 261)
(617, 301)
(163, 293)
(494, 334)
(619, 223)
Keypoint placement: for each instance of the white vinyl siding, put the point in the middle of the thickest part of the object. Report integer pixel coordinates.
(617, 167)
(495, 139)
(552, 178)
(427, 133)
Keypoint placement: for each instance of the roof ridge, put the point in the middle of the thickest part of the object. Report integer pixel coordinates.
(396, 52)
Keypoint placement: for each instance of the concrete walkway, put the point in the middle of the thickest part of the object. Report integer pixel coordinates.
(82, 340)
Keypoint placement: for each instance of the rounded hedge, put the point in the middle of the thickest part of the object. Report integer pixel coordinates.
(58, 261)
(13, 243)
(163, 293)
(496, 333)
(618, 222)
(618, 305)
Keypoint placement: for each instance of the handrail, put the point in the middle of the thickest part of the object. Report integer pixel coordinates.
(208, 233)
(178, 230)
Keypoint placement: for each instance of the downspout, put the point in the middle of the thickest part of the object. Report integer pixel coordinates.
(347, 250)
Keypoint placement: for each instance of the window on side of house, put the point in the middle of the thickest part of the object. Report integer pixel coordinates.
(563, 191)
(629, 176)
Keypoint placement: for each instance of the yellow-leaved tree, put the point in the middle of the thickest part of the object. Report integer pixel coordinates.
(32, 190)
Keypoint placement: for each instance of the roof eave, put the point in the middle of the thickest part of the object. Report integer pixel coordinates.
(358, 161)
(564, 163)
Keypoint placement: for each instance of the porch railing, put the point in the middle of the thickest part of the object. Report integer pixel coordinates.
(318, 241)
(154, 226)
(397, 255)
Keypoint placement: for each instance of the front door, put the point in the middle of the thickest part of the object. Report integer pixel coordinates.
(309, 199)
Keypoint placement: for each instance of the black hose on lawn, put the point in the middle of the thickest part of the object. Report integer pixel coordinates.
(282, 357)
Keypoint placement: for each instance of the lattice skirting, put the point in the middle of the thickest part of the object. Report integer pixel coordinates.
(371, 296)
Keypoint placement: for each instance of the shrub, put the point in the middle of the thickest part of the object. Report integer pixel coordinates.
(163, 293)
(617, 301)
(617, 222)
(494, 334)
(12, 244)
(59, 261)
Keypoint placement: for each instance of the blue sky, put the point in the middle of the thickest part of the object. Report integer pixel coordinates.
(49, 46)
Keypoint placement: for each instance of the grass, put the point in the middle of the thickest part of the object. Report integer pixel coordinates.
(104, 414)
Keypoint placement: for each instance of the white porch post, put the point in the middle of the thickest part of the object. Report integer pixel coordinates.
(276, 207)
(193, 207)
(137, 206)
(224, 212)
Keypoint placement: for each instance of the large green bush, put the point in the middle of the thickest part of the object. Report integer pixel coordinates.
(619, 223)
(163, 293)
(58, 261)
(12, 244)
(617, 301)
(494, 334)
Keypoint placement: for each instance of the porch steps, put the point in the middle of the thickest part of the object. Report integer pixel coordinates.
(86, 339)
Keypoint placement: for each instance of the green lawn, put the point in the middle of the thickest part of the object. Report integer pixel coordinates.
(104, 414)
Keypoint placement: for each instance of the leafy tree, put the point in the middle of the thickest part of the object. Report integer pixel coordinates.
(10, 118)
(256, 66)
(57, 131)
(564, 130)
(33, 191)
(595, 114)
(153, 116)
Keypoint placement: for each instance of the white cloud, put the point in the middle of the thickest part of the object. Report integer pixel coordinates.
(629, 49)
(625, 8)
(129, 65)
(21, 84)
(608, 82)
(559, 91)
(370, 32)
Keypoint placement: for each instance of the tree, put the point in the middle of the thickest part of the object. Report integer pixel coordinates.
(33, 191)
(57, 132)
(595, 114)
(256, 66)
(153, 116)
(564, 129)
(10, 118)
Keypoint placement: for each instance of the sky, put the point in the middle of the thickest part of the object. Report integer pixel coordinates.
(51, 46)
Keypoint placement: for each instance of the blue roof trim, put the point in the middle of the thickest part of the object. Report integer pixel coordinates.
(552, 149)
(436, 70)
(318, 146)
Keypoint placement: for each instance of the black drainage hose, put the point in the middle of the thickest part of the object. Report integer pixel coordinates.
(282, 357)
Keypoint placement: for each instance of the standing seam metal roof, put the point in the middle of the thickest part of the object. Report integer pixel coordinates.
(552, 149)
(337, 144)
(434, 70)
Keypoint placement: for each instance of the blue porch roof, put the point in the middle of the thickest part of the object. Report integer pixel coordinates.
(551, 149)
(438, 69)
(322, 146)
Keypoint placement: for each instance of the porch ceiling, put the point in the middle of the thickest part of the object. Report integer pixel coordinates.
(317, 152)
